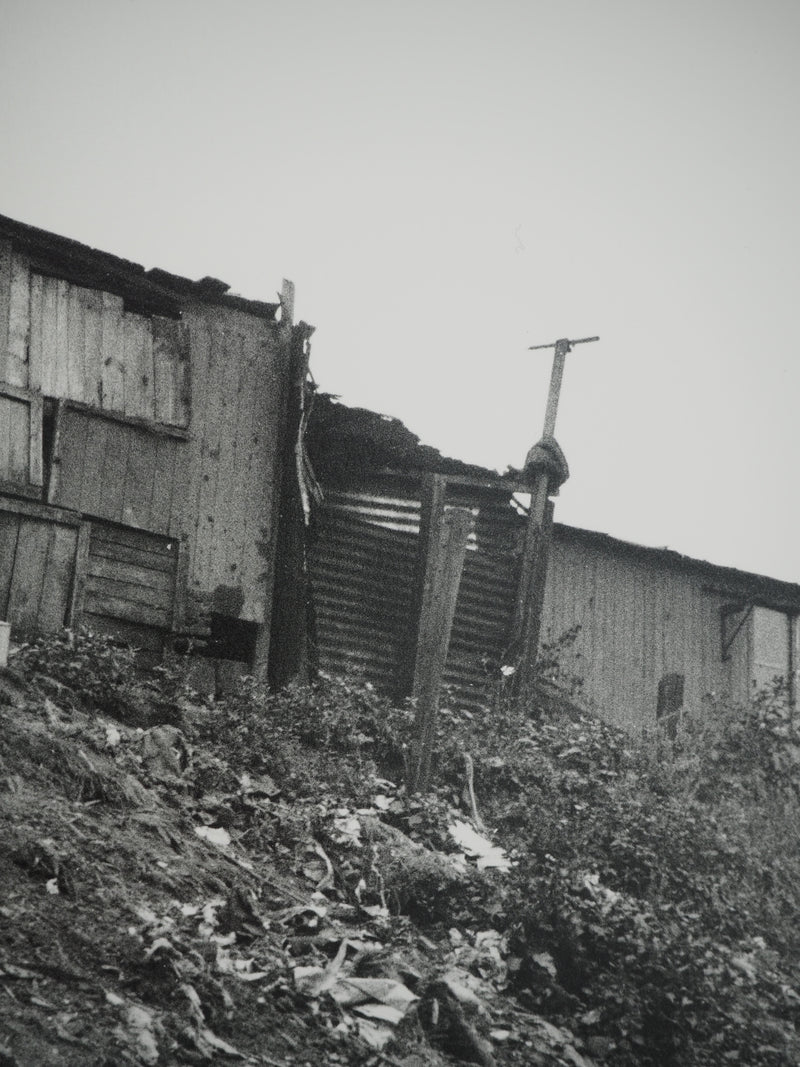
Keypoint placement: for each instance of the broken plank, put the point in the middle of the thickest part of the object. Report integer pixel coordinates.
(159, 581)
(19, 314)
(27, 580)
(57, 585)
(99, 603)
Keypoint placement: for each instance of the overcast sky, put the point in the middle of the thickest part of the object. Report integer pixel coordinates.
(448, 183)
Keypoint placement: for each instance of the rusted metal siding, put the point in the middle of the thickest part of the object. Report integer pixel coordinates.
(239, 388)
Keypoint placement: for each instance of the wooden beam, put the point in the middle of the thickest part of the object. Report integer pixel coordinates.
(445, 561)
(433, 489)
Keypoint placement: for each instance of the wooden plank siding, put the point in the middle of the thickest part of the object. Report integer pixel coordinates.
(37, 559)
(86, 347)
(130, 576)
(239, 387)
(124, 473)
(639, 621)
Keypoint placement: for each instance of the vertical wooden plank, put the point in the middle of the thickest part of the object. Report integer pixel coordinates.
(163, 484)
(7, 406)
(35, 353)
(80, 569)
(182, 405)
(148, 371)
(178, 512)
(61, 353)
(165, 362)
(76, 344)
(35, 458)
(443, 575)
(18, 456)
(209, 420)
(71, 443)
(139, 479)
(30, 563)
(115, 465)
(57, 584)
(113, 388)
(93, 433)
(46, 342)
(230, 520)
(137, 375)
(93, 350)
(9, 533)
(5, 306)
(19, 320)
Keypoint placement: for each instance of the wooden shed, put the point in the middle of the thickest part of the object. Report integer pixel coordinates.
(657, 632)
(143, 433)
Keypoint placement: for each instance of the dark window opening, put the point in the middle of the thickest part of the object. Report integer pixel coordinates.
(231, 639)
(670, 702)
(49, 424)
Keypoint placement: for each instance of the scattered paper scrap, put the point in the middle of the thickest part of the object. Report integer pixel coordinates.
(478, 847)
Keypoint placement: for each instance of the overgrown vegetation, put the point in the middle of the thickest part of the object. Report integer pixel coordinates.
(649, 913)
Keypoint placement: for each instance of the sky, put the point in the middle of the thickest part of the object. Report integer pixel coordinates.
(448, 183)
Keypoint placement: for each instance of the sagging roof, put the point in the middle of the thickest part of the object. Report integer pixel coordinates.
(148, 292)
(348, 444)
(344, 441)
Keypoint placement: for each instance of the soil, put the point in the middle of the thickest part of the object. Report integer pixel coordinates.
(149, 918)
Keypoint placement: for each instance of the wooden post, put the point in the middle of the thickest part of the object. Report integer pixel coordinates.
(444, 564)
(530, 592)
(530, 596)
(433, 489)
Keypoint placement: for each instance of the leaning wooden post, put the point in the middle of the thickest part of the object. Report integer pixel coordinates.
(445, 561)
(530, 592)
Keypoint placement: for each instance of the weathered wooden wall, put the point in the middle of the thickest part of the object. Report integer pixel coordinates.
(130, 576)
(165, 425)
(639, 621)
(239, 387)
(124, 473)
(37, 564)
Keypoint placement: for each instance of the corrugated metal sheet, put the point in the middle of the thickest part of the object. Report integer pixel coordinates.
(362, 576)
(363, 568)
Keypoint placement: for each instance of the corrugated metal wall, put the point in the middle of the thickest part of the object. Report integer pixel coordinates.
(363, 569)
